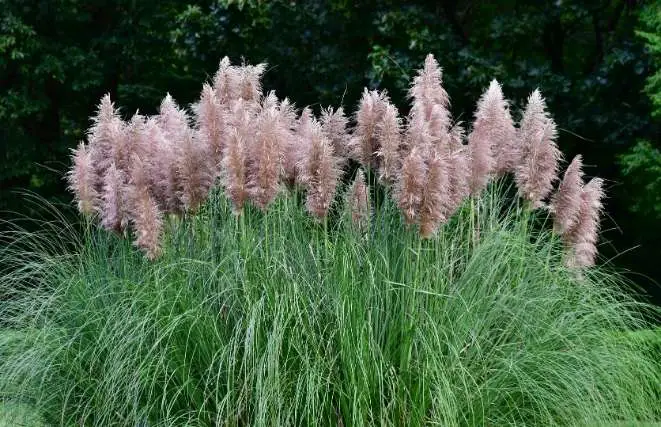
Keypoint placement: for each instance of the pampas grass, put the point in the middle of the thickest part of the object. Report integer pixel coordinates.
(271, 319)
(435, 306)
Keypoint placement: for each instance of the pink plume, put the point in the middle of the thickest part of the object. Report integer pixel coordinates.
(492, 140)
(82, 180)
(565, 203)
(196, 170)
(389, 134)
(582, 238)
(539, 154)
(459, 169)
(225, 82)
(364, 145)
(235, 170)
(319, 173)
(435, 196)
(210, 123)
(143, 210)
(173, 123)
(249, 82)
(359, 202)
(265, 153)
(430, 101)
(411, 184)
(114, 215)
(106, 130)
(334, 127)
(296, 147)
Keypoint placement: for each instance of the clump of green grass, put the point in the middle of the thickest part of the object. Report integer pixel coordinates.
(275, 319)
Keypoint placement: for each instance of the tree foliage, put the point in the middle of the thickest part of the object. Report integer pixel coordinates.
(641, 165)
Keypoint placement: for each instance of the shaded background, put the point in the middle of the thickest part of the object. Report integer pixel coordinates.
(589, 58)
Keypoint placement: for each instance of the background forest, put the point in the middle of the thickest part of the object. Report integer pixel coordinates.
(595, 62)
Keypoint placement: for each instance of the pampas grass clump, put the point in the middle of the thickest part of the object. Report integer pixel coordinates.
(258, 299)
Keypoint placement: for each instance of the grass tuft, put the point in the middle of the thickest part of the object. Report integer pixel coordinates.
(274, 319)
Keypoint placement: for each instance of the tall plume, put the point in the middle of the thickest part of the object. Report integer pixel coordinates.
(173, 123)
(359, 202)
(459, 169)
(249, 82)
(435, 196)
(210, 123)
(157, 161)
(492, 140)
(565, 203)
(365, 144)
(82, 180)
(134, 142)
(196, 171)
(225, 82)
(106, 132)
(114, 214)
(417, 135)
(143, 210)
(388, 132)
(430, 101)
(235, 170)
(539, 154)
(296, 147)
(319, 173)
(287, 125)
(334, 127)
(582, 238)
(411, 184)
(265, 153)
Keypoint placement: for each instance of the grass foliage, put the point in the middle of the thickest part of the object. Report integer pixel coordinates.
(275, 319)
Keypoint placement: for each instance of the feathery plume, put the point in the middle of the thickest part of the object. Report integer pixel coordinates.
(196, 173)
(459, 168)
(225, 82)
(82, 180)
(388, 132)
(265, 153)
(430, 101)
(365, 144)
(114, 215)
(417, 135)
(411, 184)
(235, 170)
(133, 142)
(295, 148)
(435, 196)
(288, 114)
(319, 173)
(565, 203)
(490, 142)
(249, 82)
(105, 133)
(582, 238)
(143, 210)
(334, 127)
(172, 119)
(210, 123)
(359, 202)
(156, 161)
(505, 146)
(173, 123)
(538, 169)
